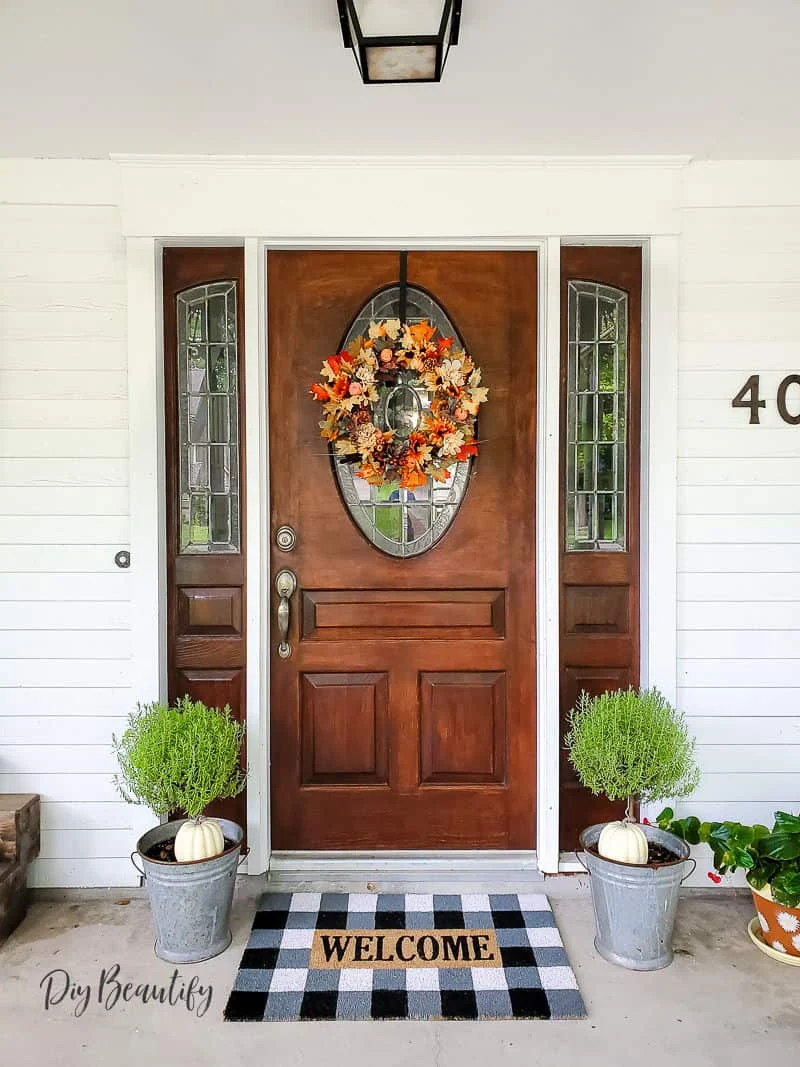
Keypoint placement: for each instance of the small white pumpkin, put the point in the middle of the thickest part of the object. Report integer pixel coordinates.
(199, 839)
(623, 842)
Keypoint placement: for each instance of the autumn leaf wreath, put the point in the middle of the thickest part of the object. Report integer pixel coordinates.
(350, 398)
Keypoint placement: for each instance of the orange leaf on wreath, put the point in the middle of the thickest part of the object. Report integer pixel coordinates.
(443, 344)
(319, 392)
(440, 474)
(422, 333)
(469, 449)
(410, 479)
(335, 362)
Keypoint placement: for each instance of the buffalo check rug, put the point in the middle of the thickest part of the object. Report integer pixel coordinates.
(360, 956)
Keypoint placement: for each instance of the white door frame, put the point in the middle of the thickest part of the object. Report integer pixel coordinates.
(643, 195)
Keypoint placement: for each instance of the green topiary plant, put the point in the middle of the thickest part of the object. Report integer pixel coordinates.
(180, 757)
(627, 745)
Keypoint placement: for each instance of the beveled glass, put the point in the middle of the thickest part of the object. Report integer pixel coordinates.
(596, 417)
(402, 522)
(208, 419)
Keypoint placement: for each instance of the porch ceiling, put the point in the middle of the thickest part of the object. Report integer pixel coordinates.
(709, 78)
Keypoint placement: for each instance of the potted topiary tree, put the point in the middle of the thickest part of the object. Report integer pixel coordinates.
(633, 746)
(181, 758)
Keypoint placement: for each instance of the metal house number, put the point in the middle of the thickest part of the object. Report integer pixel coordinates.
(748, 397)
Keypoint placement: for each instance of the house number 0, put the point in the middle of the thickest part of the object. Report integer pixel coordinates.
(747, 397)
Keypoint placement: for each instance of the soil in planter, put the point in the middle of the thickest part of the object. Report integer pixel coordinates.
(164, 851)
(655, 854)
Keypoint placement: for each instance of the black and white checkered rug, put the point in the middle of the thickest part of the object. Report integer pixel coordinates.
(404, 956)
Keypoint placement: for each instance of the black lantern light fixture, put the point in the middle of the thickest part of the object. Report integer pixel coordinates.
(400, 40)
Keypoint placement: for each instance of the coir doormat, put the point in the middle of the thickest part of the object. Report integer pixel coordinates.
(404, 956)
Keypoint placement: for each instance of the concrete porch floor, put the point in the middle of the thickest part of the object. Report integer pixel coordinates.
(720, 1003)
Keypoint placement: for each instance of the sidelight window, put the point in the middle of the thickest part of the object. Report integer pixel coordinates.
(208, 419)
(597, 397)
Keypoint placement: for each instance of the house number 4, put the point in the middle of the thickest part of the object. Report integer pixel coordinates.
(747, 397)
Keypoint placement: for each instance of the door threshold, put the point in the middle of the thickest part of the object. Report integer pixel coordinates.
(405, 871)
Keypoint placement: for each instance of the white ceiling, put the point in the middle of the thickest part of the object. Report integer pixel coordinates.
(708, 78)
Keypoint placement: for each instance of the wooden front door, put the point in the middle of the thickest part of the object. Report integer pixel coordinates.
(404, 716)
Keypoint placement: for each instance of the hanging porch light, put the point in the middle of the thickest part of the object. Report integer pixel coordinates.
(400, 40)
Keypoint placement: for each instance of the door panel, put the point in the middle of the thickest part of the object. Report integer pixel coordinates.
(405, 715)
(463, 720)
(343, 725)
(205, 585)
(599, 640)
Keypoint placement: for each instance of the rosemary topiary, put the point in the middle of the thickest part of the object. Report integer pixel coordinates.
(627, 744)
(179, 758)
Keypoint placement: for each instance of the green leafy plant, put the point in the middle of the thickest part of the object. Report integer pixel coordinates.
(179, 758)
(630, 744)
(768, 857)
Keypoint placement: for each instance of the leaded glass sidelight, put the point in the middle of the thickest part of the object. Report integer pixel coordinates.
(208, 419)
(597, 395)
(402, 522)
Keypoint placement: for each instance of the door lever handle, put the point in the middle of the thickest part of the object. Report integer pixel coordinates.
(285, 585)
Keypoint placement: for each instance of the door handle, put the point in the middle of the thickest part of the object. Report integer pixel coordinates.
(285, 585)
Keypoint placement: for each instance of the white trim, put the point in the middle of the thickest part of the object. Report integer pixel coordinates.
(407, 161)
(660, 465)
(257, 550)
(659, 540)
(659, 459)
(432, 198)
(405, 871)
(569, 863)
(548, 400)
(659, 468)
(147, 478)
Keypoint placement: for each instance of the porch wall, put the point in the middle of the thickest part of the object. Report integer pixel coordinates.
(739, 488)
(64, 606)
(65, 646)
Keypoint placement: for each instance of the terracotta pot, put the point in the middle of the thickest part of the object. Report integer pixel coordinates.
(779, 924)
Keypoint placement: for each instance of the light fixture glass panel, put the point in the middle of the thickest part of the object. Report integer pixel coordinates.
(399, 18)
(397, 63)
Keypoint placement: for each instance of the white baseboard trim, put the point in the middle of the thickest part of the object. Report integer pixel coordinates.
(419, 871)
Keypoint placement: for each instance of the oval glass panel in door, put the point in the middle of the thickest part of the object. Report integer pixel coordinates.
(402, 522)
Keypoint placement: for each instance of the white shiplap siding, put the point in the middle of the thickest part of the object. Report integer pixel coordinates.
(739, 493)
(64, 606)
(66, 644)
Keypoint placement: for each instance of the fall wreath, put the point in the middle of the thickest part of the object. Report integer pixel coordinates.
(403, 359)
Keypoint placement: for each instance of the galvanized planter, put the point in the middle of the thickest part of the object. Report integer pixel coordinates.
(635, 905)
(190, 902)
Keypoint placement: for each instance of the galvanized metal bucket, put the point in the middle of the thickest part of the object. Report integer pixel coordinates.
(190, 902)
(635, 905)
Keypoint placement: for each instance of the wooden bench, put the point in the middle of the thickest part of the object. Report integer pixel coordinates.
(19, 846)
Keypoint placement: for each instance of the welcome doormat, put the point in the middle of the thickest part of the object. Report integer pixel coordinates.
(404, 956)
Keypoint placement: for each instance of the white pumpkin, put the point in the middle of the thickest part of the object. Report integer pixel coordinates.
(623, 842)
(199, 839)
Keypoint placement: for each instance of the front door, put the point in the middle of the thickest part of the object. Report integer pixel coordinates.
(403, 700)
